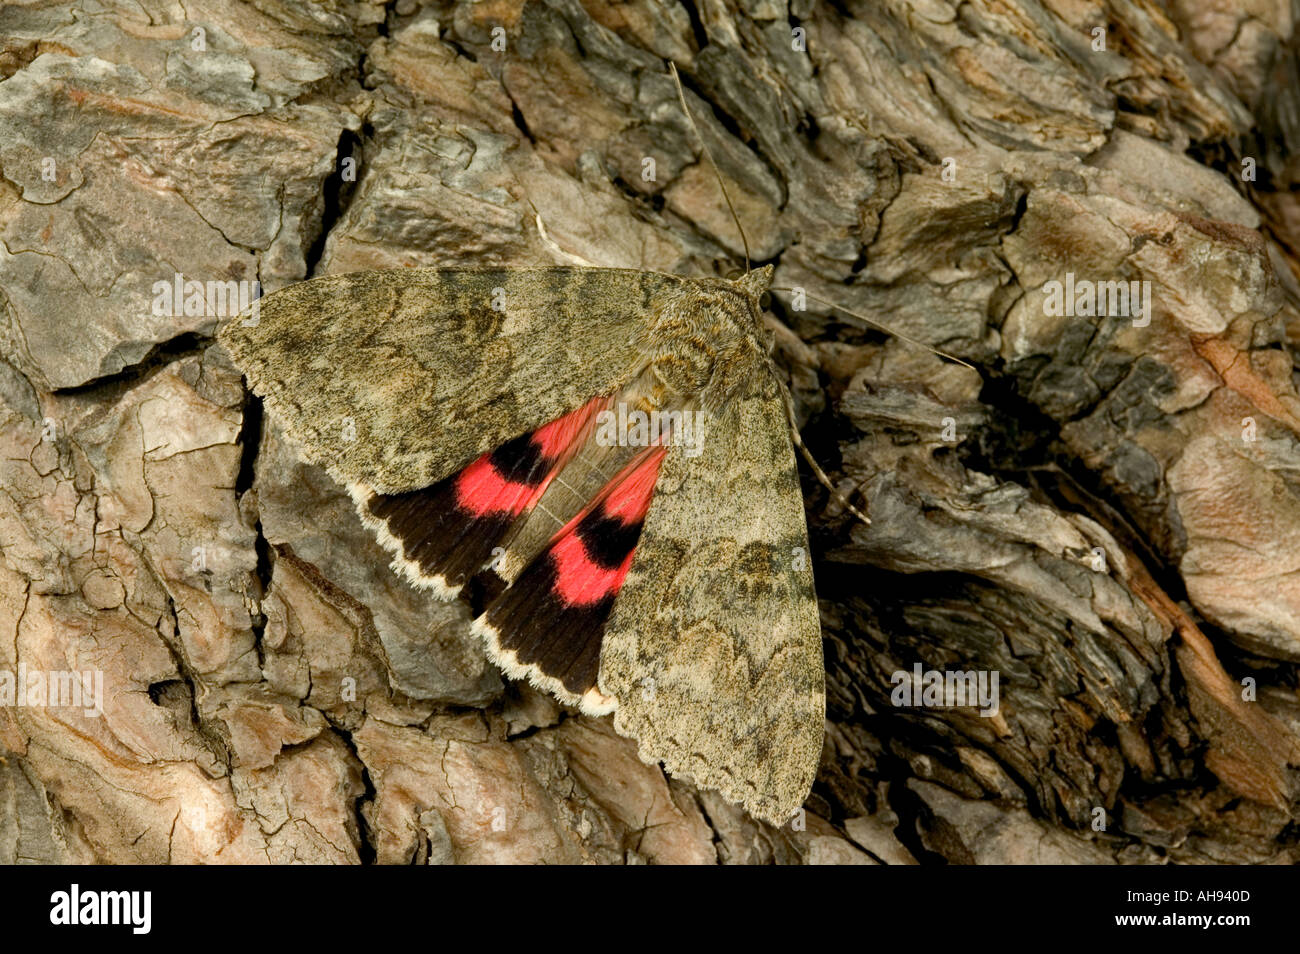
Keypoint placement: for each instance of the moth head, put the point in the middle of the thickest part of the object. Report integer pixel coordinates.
(755, 283)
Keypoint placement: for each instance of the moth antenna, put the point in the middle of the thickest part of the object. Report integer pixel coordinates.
(812, 461)
(883, 327)
(681, 97)
(549, 242)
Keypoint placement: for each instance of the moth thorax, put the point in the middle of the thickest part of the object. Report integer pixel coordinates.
(708, 340)
(686, 368)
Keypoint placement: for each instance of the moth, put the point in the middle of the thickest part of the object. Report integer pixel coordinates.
(610, 450)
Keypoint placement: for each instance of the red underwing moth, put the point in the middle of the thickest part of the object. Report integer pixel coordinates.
(611, 449)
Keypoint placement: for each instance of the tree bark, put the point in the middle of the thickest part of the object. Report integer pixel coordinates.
(1103, 510)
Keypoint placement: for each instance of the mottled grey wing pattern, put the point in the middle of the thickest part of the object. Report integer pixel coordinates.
(713, 649)
(398, 378)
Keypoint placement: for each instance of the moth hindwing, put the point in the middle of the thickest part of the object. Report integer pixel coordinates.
(607, 451)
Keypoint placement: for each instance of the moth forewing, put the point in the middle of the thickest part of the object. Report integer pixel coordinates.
(713, 649)
(397, 378)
